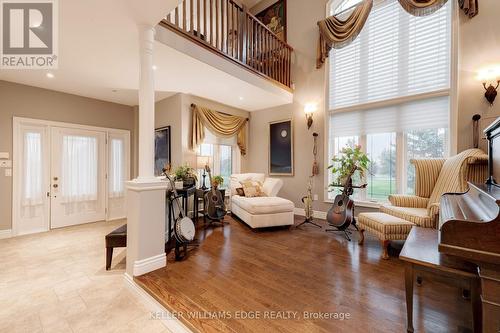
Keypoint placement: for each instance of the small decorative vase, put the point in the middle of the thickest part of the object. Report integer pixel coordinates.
(179, 185)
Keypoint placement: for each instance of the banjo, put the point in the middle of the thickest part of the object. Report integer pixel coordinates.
(184, 229)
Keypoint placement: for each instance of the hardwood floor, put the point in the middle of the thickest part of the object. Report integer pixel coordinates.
(236, 271)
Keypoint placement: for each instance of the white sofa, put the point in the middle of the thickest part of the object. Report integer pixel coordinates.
(261, 212)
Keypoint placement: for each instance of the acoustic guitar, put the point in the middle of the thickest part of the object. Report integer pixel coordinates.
(215, 208)
(341, 214)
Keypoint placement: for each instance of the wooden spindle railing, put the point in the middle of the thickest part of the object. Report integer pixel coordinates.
(229, 29)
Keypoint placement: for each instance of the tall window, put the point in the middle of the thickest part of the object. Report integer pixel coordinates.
(390, 92)
(222, 161)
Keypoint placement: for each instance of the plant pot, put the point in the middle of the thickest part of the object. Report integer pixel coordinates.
(179, 185)
(188, 182)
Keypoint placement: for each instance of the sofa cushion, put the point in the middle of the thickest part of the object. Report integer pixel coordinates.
(263, 205)
(252, 189)
(272, 186)
(419, 216)
(384, 226)
(240, 177)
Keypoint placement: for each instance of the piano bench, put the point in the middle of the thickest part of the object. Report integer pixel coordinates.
(116, 238)
(385, 227)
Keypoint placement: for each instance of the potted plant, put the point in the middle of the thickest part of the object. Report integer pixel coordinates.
(186, 175)
(351, 162)
(217, 181)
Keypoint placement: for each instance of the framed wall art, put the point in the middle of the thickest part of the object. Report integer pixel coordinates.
(274, 17)
(281, 148)
(163, 154)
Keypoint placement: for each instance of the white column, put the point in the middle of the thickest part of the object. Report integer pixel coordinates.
(146, 194)
(146, 104)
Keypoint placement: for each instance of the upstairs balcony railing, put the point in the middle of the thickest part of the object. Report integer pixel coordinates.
(227, 28)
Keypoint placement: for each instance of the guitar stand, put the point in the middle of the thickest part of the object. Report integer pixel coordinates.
(308, 221)
(185, 249)
(346, 231)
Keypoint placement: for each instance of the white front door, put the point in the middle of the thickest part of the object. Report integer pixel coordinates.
(77, 181)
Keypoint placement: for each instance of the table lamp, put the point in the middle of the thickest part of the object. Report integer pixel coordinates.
(202, 162)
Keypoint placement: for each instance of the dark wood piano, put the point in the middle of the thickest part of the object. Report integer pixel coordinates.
(469, 228)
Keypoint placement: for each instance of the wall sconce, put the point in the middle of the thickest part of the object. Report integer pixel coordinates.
(309, 110)
(490, 76)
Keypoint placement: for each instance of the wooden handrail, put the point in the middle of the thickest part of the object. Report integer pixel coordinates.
(230, 30)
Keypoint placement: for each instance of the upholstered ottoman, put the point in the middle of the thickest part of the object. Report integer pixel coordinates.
(385, 227)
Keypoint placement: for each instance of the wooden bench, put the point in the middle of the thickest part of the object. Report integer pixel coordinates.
(116, 238)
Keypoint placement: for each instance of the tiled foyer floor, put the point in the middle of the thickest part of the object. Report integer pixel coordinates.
(57, 282)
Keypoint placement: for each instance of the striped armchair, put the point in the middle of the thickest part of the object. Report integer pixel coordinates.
(433, 178)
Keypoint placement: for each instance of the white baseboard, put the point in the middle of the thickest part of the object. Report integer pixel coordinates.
(150, 264)
(5, 234)
(173, 324)
(317, 214)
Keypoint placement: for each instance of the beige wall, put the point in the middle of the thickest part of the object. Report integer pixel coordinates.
(479, 43)
(24, 101)
(175, 111)
(479, 46)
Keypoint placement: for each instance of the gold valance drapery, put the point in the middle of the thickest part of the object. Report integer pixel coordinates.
(421, 7)
(470, 7)
(337, 33)
(220, 124)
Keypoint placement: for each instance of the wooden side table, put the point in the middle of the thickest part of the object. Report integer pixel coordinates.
(421, 255)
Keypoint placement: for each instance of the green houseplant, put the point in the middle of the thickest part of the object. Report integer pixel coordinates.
(217, 181)
(351, 162)
(186, 174)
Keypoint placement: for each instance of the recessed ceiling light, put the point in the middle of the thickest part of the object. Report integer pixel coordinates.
(241, 98)
(155, 67)
(50, 75)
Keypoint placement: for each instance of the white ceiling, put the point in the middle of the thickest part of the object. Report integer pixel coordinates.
(98, 58)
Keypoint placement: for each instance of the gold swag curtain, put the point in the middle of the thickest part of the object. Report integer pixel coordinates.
(426, 7)
(470, 7)
(337, 33)
(421, 7)
(220, 124)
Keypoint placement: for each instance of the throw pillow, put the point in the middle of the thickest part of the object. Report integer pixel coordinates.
(240, 191)
(252, 189)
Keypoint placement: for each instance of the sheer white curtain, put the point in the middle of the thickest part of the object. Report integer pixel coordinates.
(79, 169)
(32, 169)
(116, 168)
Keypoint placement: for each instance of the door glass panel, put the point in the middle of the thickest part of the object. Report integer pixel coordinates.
(116, 168)
(79, 169)
(33, 173)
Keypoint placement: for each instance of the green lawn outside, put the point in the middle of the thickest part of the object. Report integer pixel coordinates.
(379, 188)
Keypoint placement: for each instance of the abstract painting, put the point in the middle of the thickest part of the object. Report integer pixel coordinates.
(281, 148)
(162, 149)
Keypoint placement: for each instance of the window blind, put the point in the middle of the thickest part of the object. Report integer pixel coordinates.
(396, 55)
(428, 113)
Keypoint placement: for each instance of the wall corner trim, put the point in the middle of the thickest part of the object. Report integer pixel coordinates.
(150, 264)
(5, 233)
